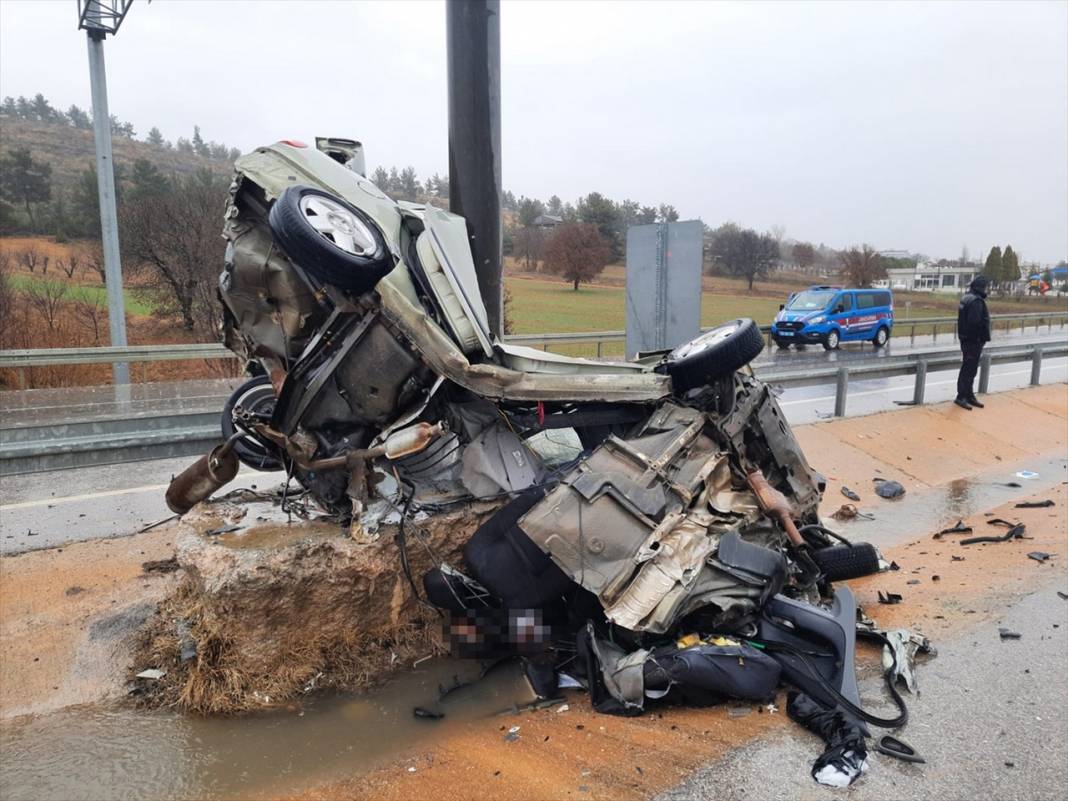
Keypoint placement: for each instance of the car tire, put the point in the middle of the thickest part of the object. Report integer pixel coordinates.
(832, 340)
(255, 395)
(782, 343)
(882, 336)
(715, 353)
(333, 240)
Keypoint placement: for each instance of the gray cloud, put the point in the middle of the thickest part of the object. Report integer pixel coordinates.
(922, 126)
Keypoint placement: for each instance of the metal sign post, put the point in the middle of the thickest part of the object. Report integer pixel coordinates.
(100, 18)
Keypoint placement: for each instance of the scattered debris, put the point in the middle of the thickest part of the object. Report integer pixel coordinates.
(74, 590)
(891, 490)
(1008, 634)
(151, 526)
(1015, 532)
(913, 581)
(152, 673)
(427, 714)
(889, 597)
(957, 558)
(958, 528)
(562, 708)
(1039, 556)
(160, 565)
(1035, 504)
(1027, 474)
(850, 494)
(848, 511)
(222, 530)
(1012, 484)
(846, 756)
(739, 711)
(901, 660)
(512, 735)
(899, 749)
(936, 577)
(1063, 595)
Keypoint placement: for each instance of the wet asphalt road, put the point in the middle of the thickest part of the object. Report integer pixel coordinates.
(984, 703)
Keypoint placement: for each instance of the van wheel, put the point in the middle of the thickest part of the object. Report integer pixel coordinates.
(782, 343)
(881, 336)
(330, 238)
(715, 353)
(832, 340)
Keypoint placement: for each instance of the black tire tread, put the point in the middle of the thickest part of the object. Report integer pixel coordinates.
(842, 562)
(721, 359)
(249, 456)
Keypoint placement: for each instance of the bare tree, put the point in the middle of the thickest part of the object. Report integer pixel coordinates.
(577, 251)
(94, 259)
(744, 252)
(29, 257)
(47, 297)
(70, 264)
(90, 312)
(175, 235)
(804, 255)
(861, 265)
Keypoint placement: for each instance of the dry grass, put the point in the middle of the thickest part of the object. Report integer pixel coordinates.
(219, 680)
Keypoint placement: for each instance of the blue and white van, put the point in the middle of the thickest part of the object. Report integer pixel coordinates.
(830, 315)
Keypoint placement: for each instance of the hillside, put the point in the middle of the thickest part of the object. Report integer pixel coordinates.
(70, 151)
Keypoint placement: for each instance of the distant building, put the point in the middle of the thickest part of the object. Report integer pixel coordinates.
(927, 276)
(547, 221)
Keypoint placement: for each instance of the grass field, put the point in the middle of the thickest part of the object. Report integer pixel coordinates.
(136, 303)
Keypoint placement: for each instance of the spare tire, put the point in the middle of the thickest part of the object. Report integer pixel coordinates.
(715, 353)
(256, 395)
(330, 238)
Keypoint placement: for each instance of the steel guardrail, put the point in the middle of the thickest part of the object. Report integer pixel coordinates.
(108, 447)
(46, 357)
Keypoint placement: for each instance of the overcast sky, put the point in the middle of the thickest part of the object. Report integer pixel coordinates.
(923, 126)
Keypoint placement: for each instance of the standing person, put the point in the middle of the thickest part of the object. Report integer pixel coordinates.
(973, 330)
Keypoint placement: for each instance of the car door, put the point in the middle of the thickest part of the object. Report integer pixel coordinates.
(842, 309)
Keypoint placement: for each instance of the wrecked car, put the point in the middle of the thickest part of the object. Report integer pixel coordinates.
(653, 511)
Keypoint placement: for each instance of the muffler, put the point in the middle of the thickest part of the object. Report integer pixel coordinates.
(206, 475)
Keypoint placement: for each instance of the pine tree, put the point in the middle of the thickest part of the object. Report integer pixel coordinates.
(992, 267)
(199, 146)
(79, 119)
(1010, 266)
(154, 137)
(380, 178)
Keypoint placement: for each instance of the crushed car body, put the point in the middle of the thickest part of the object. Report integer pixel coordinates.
(652, 511)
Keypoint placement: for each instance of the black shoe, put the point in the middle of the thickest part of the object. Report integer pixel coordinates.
(974, 401)
(962, 403)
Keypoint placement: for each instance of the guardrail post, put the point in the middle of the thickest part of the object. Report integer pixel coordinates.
(912, 335)
(921, 383)
(22, 378)
(984, 373)
(1036, 366)
(840, 392)
(599, 343)
(934, 332)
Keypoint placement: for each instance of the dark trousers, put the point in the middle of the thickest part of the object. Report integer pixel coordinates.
(971, 351)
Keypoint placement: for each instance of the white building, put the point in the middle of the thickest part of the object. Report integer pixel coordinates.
(926, 276)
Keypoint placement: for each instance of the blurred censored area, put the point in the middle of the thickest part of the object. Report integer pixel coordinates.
(496, 633)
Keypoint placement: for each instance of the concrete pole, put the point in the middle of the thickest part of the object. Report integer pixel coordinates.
(105, 177)
(473, 33)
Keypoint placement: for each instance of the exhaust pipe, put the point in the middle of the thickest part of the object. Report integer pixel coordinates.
(206, 475)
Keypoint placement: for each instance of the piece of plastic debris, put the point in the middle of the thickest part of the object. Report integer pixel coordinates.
(1035, 504)
(959, 528)
(906, 644)
(888, 489)
(1063, 595)
(739, 711)
(1014, 532)
(845, 757)
(1013, 484)
(512, 735)
(957, 558)
(889, 597)
(1027, 474)
(913, 581)
(1009, 634)
(426, 714)
(562, 708)
(222, 530)
(411, 770)
(565, 681)
(850, 494)
(895, 566)
(152, 673)
(899, 749)
(1039, 556)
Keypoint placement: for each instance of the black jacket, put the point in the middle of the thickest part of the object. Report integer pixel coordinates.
(973, 319)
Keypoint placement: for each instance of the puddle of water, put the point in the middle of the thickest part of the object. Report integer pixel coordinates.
(930, 510)
(276, 535)
(90, 753)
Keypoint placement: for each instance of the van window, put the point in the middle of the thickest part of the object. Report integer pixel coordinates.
(865, 300)
(845, 300)
(883, 299)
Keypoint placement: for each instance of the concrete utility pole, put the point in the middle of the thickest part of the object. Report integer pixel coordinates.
(474, 76)
(100, 18)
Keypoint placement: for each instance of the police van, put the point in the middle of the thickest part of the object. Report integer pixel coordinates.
(830, 315)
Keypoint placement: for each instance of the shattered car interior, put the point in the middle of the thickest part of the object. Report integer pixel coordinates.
(658, 538)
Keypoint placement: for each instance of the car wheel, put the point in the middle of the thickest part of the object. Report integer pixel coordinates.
(330, 238)
(256, 396)
(782, 343)
(715, 353)
(881, 336)
(832, 340)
